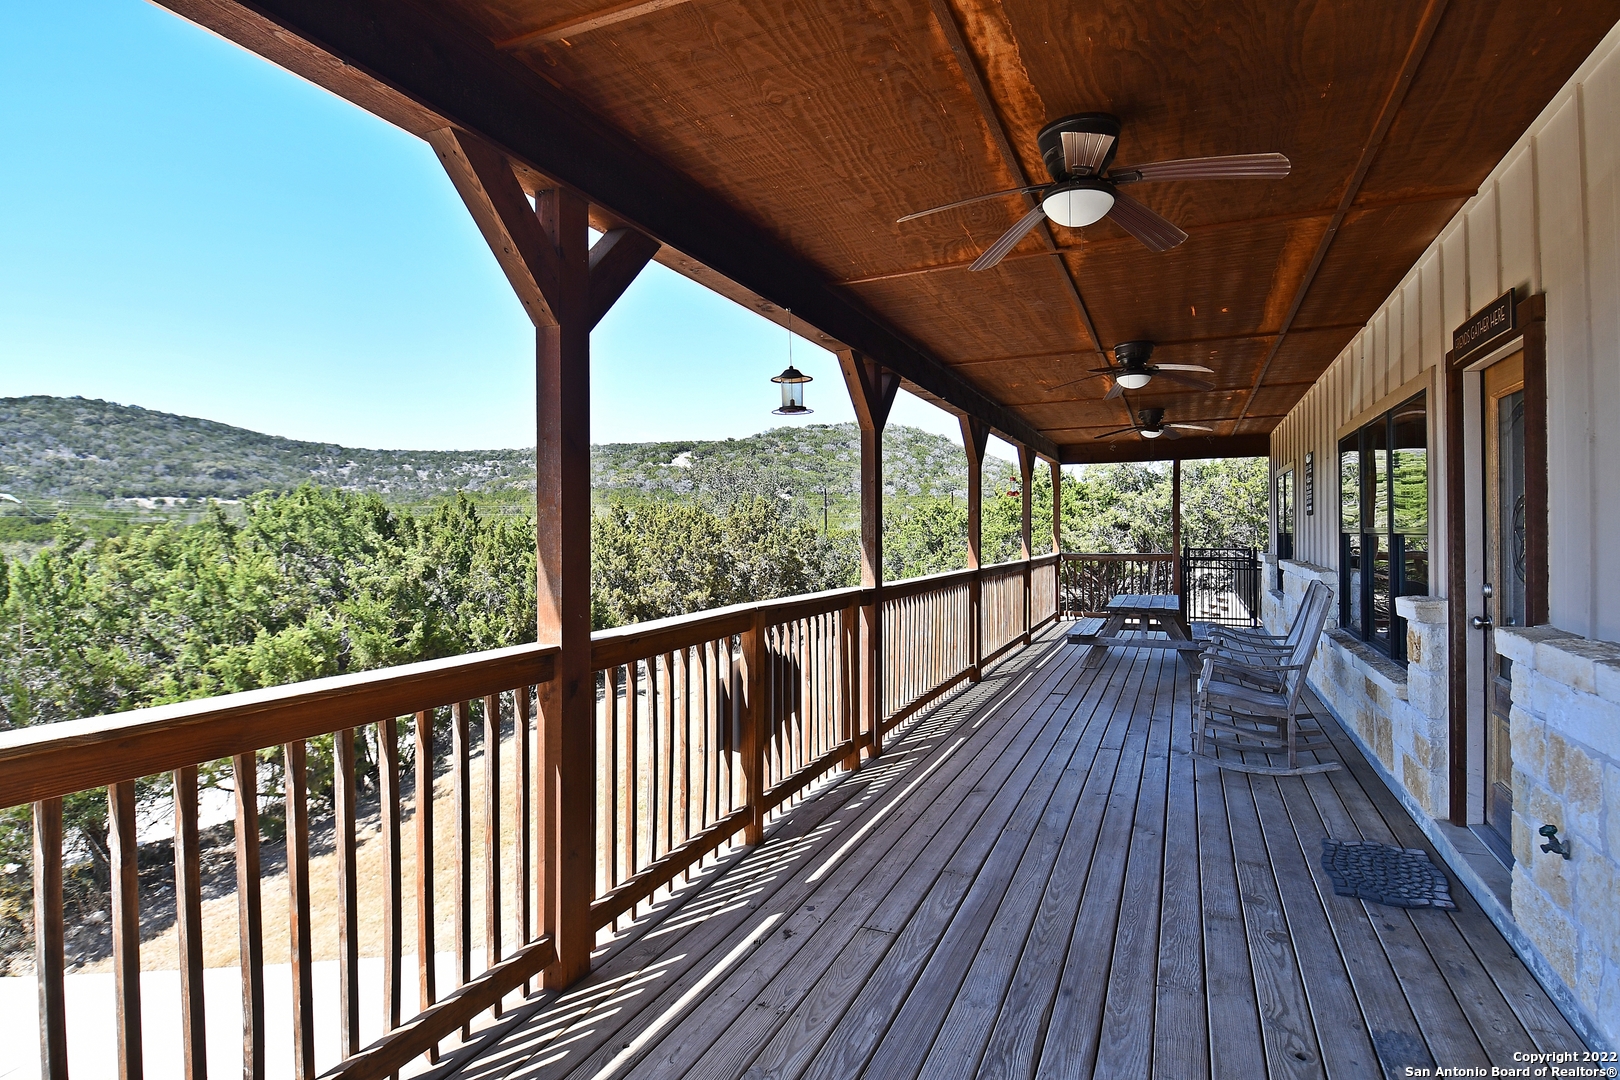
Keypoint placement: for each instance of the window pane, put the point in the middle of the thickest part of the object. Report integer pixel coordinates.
(1378, 475)
(1350, 484)
(1381, 607)
(1415, 565)
(1412, 468)
(1350, 582)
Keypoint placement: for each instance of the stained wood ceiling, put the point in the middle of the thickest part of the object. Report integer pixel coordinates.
(821, 122)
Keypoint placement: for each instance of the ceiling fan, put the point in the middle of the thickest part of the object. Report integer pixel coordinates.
(1132, 370)
(1150, 425)
(1077, 151)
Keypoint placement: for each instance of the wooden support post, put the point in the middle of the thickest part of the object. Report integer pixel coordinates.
(1175, 531)
(568, 742)
(1026, 539)
(872, 390)
(1057, 507)
(975, 437)
(566, 286)
(755, 717)
(1057, 538)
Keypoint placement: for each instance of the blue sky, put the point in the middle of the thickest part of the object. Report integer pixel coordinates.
(186, 227)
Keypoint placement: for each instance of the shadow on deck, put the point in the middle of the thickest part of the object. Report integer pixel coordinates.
(1037, 879)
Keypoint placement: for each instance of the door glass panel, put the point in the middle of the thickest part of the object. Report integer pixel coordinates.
(1510, 508)
(1350, 485)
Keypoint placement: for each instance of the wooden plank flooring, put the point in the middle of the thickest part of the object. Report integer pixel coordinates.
(1036, 879)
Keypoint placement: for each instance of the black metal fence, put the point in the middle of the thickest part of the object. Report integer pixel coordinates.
(1221, 585)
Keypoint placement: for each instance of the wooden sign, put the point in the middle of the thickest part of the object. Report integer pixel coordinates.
(1494, 323)
(1310, 483)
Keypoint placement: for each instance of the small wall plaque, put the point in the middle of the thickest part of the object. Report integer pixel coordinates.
(1495, 322)
(1310, 483)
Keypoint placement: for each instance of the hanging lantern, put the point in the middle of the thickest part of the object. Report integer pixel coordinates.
(791, 381)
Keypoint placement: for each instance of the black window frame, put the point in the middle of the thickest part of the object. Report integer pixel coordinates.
(1283, 486)
(1374, 538)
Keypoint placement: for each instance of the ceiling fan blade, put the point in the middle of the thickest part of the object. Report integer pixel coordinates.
(1226, 167)
(1185, 380)
(1169, 432)
(1117, 391)
(1111, 434)
(1009, 240)
(974, 199)
(1189, 427)
(1084, 150)
(1184, 367)
(1155, 232)
(1102, 370)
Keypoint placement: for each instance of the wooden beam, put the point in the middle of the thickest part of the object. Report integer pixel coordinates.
(562, 31)
(1369, 153)
(615, 261)
(1187, 448)
(486, 183)
(1015, 167)
(421, 68)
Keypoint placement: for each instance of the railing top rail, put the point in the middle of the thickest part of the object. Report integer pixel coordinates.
(624, 644)
(899, 590)
(1116, 556)
(52, 760)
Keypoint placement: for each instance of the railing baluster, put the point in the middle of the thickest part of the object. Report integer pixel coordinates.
(49, 960)
(249, 914)
(343, 810)
(671, 757)
(126, 926)
(298, 945)
(493, 953)
(627, 778)
(460, 782)
(389, 811)
(188, 924)
(426, 962)
(522, 843)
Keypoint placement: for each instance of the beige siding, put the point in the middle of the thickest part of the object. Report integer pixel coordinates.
(1547, 219)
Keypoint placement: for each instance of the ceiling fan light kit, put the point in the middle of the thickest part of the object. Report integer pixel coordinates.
(1080, 203)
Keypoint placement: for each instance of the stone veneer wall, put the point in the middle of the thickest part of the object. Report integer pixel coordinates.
(1399, 714)
(1566, 772)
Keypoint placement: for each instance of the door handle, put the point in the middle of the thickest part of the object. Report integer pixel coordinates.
(1481, 622)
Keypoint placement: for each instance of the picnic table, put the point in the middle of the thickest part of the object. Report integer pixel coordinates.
(1138, 611)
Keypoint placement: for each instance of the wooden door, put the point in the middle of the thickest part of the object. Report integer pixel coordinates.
(1505, 575)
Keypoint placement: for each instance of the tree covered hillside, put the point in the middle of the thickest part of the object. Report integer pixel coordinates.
(79, 454)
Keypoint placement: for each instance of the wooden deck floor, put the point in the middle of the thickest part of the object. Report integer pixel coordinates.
(1037, 880)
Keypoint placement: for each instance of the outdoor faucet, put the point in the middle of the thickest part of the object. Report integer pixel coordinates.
(1553, 845)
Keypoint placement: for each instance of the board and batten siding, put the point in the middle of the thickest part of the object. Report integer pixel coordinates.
(1547, 219)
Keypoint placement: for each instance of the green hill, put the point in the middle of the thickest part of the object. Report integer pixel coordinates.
(101, 458)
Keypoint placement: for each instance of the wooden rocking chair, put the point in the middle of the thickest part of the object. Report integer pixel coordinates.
(1254, 703)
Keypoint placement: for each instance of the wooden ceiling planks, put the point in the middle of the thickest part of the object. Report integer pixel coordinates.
(820, 123)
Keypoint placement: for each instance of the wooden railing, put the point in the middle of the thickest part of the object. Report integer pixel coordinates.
(927, 641)
(1088, 581)
(42, 765)
(705, 726)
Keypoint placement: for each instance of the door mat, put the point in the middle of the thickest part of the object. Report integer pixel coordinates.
(1400, 877)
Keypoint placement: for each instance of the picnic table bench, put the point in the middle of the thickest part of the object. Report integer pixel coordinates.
(1138, 611)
